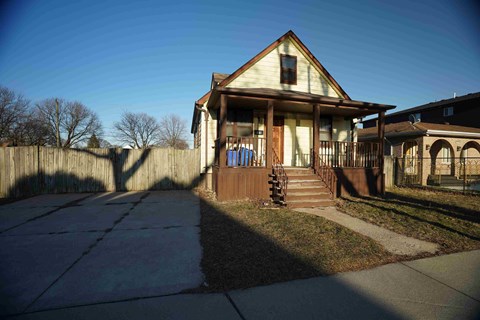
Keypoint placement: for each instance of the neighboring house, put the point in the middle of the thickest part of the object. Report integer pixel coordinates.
(431, 152)
(460, 111)
(281, 125)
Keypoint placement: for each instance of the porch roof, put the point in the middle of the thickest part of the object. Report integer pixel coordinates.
(334, 105)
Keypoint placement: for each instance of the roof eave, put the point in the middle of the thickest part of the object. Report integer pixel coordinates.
(453, 133)
(312, 99)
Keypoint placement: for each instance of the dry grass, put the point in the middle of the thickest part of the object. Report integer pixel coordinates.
(245, 245)
(450, 219)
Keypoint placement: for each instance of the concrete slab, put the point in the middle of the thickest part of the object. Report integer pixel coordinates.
(46, 200)
(113, 198)
(11, 217)
(74, 219)
(170, 213)
(460, 271)
(388, 292)
(29, 264)
(391, 241)
(211, 306)
(130, 264)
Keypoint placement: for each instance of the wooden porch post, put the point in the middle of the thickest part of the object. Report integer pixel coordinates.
(381, 138)
(222, 160)
(269, 145)
(316, 134)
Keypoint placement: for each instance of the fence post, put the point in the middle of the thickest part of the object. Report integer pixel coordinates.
(464, 174)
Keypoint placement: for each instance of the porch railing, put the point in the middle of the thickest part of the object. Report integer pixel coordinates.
(244, 151)
(280, 183)
(349, 154)
(303, 159)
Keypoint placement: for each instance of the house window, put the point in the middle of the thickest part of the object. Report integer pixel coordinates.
(239, 123)
(288, 69)
(325, 128)
(448, 111)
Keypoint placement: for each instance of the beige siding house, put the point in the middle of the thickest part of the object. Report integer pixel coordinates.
(278, 114)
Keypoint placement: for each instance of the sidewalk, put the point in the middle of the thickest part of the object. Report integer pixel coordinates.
(445, 287)
(391, 241)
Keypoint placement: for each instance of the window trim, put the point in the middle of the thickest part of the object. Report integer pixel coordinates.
(329, 118)
(282, 69)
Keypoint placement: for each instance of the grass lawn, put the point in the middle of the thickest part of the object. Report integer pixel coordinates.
(450, 219)
(245, 245)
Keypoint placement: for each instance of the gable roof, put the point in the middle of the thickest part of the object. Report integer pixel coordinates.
(439, 103)
(406, 128)
(290, 34)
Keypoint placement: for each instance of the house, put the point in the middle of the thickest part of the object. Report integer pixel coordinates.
(280, 126)
(460, 111)
(431, 153)
(438, 143)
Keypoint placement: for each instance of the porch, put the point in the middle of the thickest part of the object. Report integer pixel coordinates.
(285, 130)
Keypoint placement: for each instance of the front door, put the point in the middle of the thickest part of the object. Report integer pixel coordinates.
(278, 123)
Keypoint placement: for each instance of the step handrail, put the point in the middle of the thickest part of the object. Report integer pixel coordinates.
(326, 174)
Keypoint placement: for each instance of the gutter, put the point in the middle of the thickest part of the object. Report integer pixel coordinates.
(453, 133)
(393, 135)
(204, 110)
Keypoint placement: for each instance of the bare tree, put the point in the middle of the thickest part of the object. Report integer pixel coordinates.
(30, 131)
(13, 109)
(77, 122)
(173, 131)
(138, 130)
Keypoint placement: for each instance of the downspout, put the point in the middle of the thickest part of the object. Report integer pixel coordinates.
(204, 110)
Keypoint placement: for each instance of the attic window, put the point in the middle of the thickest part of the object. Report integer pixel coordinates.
(288, 69)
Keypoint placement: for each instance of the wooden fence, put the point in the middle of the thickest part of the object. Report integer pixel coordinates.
(35, 170)
(389, 171)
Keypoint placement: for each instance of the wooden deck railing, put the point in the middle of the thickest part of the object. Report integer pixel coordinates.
(243, 151)
(280, 186)
(350, 154)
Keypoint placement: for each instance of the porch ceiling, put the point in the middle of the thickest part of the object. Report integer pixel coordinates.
(292, 101)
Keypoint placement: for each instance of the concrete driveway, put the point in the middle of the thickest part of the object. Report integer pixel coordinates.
(77, 249)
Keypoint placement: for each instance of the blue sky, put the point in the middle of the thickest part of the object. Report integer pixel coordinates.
(157, 57)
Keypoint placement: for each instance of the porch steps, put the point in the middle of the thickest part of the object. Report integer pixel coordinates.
(305, 189)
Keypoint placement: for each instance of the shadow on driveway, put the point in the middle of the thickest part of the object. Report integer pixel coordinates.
(98, 248)
(131, 257)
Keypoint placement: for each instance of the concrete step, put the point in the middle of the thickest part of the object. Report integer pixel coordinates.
(307, 188)
(302, 177)
(298, 171)
(324, 194)
(310, 203)
(305, 183)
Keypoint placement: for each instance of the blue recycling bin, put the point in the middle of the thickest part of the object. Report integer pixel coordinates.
(232, 158)
(246, 157)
